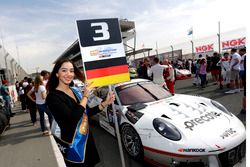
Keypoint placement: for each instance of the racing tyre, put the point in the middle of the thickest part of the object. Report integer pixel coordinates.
(131, 142)
(1, 126)
(3, 122)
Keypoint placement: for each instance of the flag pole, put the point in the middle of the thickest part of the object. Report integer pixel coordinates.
(117, 130)
(193, 43)
(156, 49)
(219, 36)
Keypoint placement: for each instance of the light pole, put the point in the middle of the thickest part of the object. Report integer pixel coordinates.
(37, 68)
(219, 36)
(6, 66)
(156, 50)
(12, 70)
(3, 52)
(17, 72)
(172, 49)
(192, 49)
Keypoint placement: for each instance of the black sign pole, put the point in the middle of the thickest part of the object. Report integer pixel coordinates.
(117, 130)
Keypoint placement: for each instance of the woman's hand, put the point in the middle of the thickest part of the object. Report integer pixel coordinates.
(110, 98)
(86, 93)
(87, 89)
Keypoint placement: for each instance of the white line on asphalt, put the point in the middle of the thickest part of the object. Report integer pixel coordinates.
(58, 155)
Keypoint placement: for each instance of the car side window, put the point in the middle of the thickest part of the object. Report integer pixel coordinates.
(102, 92)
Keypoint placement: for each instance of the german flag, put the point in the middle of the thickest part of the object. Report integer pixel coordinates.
(107, 72)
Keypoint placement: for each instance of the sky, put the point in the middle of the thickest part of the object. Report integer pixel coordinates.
(39, 31)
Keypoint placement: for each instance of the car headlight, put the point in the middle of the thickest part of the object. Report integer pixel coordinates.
(220, 107)
(166, 129)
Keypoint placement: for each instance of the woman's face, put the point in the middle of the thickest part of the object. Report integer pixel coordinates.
(66, 73)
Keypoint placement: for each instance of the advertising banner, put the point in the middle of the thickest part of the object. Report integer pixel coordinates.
(235, 43)
(204, 48)
(13, 93)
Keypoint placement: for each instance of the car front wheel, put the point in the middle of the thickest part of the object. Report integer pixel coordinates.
(132, 142)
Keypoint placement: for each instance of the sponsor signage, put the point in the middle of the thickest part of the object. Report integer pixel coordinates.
(192, 150)
(102, 51)
(204, 48)
(235, 43)
(13, 93)
(200, 120)
(230, 132)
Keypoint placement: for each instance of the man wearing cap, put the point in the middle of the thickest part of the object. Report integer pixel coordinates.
(6, 96)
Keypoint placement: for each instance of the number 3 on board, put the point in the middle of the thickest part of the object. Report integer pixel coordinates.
(104, 31)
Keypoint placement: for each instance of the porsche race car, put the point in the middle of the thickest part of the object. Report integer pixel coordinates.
(174, 131)
(182, 74)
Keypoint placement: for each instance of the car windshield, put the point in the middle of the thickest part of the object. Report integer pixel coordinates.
(142, 92)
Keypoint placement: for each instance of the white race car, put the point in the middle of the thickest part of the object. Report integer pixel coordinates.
(174, 131)
(182, 74)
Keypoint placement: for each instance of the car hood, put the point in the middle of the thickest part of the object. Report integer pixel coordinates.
(198, 121)
(183, 71)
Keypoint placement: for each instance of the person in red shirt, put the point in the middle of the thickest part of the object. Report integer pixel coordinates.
(168, 75)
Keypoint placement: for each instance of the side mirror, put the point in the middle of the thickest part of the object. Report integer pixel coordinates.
(124, 110)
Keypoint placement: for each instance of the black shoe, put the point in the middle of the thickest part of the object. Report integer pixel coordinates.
(221, 86)
(242, 111)
(12, 114)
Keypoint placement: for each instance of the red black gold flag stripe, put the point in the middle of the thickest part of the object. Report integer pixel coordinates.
(109, 71)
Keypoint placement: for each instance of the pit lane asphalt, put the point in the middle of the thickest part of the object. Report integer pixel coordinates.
(22, 145)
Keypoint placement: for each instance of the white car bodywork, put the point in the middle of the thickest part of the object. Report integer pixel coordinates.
(182, 74)
(204, 132)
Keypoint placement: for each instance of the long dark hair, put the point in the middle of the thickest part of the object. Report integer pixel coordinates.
(53, 80)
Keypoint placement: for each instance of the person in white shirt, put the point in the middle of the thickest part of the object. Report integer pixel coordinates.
(40, 93)
(157, 71)
(225, 68)
(242, 53)
(25, 82)
(234, 70)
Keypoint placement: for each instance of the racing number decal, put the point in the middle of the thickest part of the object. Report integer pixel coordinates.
(104, 31)
(99, 32)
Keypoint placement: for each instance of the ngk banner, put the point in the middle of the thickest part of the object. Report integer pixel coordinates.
(204, 48)
(102, 51)
(235, 43)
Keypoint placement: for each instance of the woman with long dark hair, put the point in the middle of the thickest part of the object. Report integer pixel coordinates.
(71, 112)
(40, 93)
